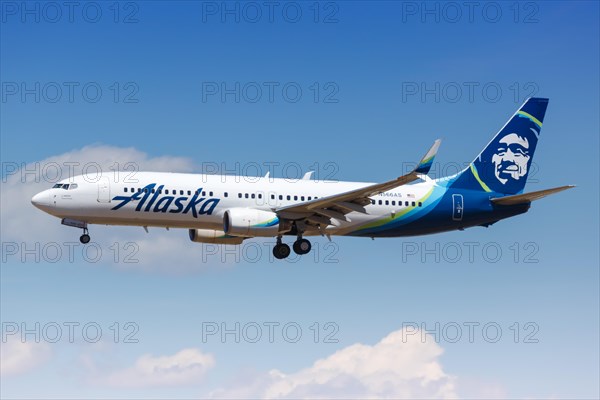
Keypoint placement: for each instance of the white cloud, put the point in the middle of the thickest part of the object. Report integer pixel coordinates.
(399, 366)
(17, 357)
(188, 366)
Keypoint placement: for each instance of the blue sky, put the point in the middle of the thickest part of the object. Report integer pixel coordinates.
(379, 83)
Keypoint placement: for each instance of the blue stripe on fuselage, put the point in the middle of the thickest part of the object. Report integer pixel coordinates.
(438, 216)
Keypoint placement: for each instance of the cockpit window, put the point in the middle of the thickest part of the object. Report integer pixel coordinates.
(65, 186)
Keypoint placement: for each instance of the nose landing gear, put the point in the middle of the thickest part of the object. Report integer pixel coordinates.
(85, 238)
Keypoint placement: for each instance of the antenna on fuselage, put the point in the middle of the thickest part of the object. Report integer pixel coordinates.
(307, 175)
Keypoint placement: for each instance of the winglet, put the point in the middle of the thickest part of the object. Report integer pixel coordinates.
(426, 162)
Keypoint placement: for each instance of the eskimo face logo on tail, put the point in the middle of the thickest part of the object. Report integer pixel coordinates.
(150, 199)
(504, 164)
(512, 158)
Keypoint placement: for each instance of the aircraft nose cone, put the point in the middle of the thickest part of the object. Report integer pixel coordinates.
(41, 200)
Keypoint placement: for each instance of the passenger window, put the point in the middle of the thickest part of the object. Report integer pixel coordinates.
(280, 197)
(387, 202)
(203, 193)
(166, 191)
(295, 198)
(309, 198)
(420, 204)
(253, 195)
(302, 198)
(406, 203)
(372, 201)
(239, 195)
(260, 196)
(413, 203)
(393, 202)
(189, 192)
(125, 190)
(289, 197)
(225, 194)
(246, 195)
(272, 197)
(380, 202)
(210, 194)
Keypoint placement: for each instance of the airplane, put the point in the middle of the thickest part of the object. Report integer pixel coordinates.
(224, 209)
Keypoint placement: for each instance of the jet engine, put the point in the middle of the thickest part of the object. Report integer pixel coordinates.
(213, 236)
(248, 222)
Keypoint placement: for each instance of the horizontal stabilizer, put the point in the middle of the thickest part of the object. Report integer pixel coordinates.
(528, 197)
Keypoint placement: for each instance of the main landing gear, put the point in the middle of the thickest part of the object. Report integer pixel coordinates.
(281, 250)
(302, 246)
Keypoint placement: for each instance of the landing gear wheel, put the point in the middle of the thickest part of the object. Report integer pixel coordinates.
(281, 251)
(85, 238)
(302, 246)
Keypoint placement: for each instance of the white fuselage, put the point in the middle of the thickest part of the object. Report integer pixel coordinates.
(197, 201)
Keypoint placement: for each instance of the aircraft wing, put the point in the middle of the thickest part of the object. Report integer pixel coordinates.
(333, 209)
(528, 197)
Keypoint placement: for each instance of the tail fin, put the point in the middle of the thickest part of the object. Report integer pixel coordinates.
(504, 164)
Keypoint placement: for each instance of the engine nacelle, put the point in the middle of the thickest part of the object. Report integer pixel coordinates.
(248, 222)
(213, 236)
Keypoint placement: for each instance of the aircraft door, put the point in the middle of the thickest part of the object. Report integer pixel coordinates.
(457, 207)
(104, 190)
